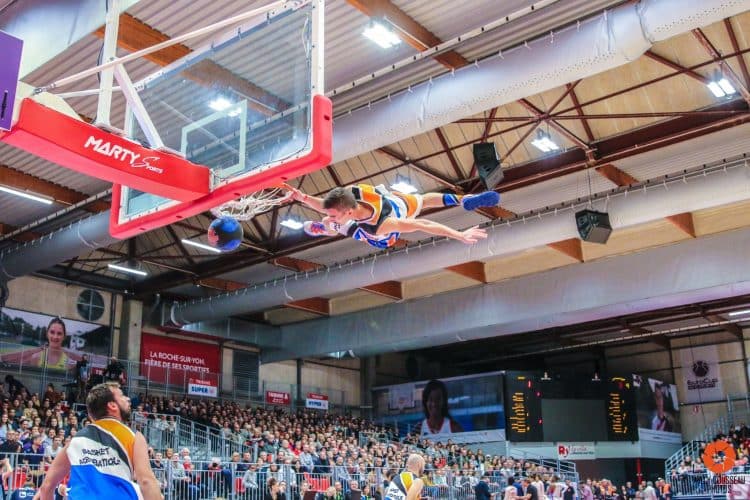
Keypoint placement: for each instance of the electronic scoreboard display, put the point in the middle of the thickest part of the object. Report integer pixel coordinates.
(622, 419)
(523, 407)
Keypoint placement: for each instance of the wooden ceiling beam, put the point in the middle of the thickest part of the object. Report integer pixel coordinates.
(732, 328)
(134, 35)
(409, 30)
(391, 289)
(616, 176)
(474, 270)
(572, 247)
(65, 196)
(579, 110)
(684, 222)
(449, 152)
(315, 305)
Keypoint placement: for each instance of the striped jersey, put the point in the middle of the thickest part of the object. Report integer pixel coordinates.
(101, 462)
(399, 486)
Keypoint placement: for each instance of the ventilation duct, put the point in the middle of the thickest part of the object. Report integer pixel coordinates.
(85, 235)
(627, 209)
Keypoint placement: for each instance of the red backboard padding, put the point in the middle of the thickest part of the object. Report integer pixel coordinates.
(319, 156)
(82, 147)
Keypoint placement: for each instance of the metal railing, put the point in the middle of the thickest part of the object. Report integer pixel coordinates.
(205, 480)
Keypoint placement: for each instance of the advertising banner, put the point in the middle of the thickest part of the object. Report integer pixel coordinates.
(576, 451)
(202, 388)
(278, 398)
(700, 372)
(316, 401)
(175, 361)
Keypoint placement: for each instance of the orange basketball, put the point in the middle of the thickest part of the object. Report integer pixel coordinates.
(713, 449)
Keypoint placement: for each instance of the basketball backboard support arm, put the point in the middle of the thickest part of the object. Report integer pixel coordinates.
(109, 52)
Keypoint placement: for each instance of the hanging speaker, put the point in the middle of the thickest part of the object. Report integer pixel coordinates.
(488, 164)
(593, 226)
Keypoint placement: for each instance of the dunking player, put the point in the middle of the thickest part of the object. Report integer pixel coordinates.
(378, 216)
(407, 485)
(106, 459)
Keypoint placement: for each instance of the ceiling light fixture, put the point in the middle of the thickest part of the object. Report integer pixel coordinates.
(739, 313)
(220, 104)
(291, 223)
(202, 246)
(381, 34)
(544, 142)
(128, 270)
(403, 185)
(720, 86)
(27, 195)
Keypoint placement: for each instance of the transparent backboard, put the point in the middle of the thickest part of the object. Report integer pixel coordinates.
(239, 105)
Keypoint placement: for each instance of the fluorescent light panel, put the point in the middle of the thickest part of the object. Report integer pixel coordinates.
(24, 194)
(381, 35)
(544, 143)
(292, 224)
(129, 270)
(739, 313)
(726, 86)
(721, 87)
(220, 104)
(403, 187)
(201, 246)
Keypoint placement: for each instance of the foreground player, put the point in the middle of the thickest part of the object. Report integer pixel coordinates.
(106, 458)
(378, 216)
(407, 485)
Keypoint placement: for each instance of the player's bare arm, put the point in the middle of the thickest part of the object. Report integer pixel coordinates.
(468, 236)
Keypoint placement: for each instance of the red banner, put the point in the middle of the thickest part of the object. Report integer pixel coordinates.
(320, 397)
(166, 359)
(278, 398)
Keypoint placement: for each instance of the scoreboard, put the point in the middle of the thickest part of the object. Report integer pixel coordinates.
(523, 401)
(622, 419)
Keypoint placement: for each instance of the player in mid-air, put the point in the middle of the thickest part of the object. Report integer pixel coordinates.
(407, 485)
(378, 216)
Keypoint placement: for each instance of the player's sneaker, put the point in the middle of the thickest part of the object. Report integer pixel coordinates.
(481, 200)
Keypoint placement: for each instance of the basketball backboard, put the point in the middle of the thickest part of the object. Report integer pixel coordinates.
(247, 105)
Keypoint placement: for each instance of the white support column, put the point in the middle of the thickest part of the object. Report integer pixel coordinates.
(109, 53)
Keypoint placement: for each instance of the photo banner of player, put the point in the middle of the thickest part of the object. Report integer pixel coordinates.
(658, 410)
(36, 340)
(174, 361)
(465, 409)
(700, 374)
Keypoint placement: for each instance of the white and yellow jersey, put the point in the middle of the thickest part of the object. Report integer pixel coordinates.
(101, 462)
(399, 486)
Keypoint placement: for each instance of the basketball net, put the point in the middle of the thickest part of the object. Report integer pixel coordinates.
(248, 206)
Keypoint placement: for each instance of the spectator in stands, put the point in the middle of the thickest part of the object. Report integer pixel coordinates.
(510, 492)
(27, 491)
(160, 470)
(569, 492)
(482, 489)
(586, 492)
(437, 419)
(51, 452)
(250, 481)
(114, 371)
(5, 426)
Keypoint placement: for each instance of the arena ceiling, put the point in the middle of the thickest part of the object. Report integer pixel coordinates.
(612, 127)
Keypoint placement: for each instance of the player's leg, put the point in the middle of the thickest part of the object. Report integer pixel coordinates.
(468, 202)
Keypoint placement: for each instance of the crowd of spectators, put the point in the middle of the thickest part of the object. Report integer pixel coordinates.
(281, 455)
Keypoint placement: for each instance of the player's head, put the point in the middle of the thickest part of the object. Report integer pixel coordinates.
(107, 400)
(339, 203)
(415, 463)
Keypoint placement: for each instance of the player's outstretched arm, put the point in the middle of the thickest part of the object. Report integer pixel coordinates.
(468, 236)
(57, 471)
(314, 202)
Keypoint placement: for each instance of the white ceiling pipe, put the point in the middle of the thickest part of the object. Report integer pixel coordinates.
(610, 40)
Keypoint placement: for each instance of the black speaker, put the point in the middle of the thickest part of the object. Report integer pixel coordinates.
(593, 226)
(488, 164)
